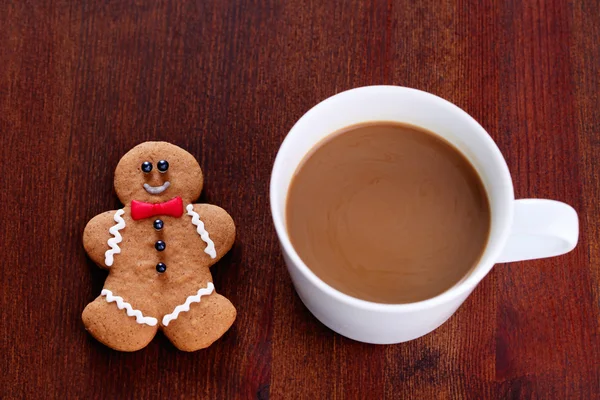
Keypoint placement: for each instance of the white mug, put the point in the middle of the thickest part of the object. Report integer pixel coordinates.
(520, 229)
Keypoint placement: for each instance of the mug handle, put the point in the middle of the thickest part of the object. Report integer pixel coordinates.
(541, 228)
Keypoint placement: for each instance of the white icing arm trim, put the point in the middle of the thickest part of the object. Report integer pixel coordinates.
(113, 242)
(186, 306)
(121, 304)
(210, 246)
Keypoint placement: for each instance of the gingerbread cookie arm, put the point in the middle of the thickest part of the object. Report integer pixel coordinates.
(215, 228)
(96, 236)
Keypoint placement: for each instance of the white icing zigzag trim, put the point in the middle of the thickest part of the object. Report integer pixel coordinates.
(186, 306)
(113, 242)
(210, 246)
(139, 317)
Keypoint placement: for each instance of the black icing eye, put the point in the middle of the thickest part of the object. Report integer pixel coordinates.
(162, 166)
(147, 166)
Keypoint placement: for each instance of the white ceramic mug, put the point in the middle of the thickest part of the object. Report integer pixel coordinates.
(520, 229)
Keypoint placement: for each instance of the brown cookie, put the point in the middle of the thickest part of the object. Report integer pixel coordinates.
(158, 249)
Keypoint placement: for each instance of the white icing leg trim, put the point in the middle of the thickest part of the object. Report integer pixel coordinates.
(186, 306)
(210, 246)
(121, 304)
(113, 242)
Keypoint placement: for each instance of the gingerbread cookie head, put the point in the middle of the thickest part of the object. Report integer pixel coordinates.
(155, 172)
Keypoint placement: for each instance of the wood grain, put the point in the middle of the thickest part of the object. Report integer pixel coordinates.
(82, 82)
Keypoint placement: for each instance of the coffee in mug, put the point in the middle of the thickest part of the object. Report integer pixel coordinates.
(388, 212)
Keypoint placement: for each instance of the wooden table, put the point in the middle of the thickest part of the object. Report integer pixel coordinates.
(81, 82)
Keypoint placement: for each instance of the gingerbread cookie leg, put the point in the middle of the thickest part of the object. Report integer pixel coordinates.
(114, 327)
(205, 322)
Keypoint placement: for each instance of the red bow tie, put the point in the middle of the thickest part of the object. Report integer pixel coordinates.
(141, 210)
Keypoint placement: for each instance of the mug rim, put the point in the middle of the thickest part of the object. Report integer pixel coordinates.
(490, 254)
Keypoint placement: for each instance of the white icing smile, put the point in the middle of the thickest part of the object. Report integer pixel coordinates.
(156, 189)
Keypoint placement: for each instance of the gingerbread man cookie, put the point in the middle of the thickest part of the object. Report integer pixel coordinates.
(158, 249)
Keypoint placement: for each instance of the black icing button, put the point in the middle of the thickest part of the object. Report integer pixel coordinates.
(158, 224)
(147, 166)
(160, 245)
(161, 267)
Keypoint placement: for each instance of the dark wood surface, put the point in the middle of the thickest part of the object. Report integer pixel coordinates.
(81, 82)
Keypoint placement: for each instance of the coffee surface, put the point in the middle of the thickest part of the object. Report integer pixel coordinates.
(387, 212)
